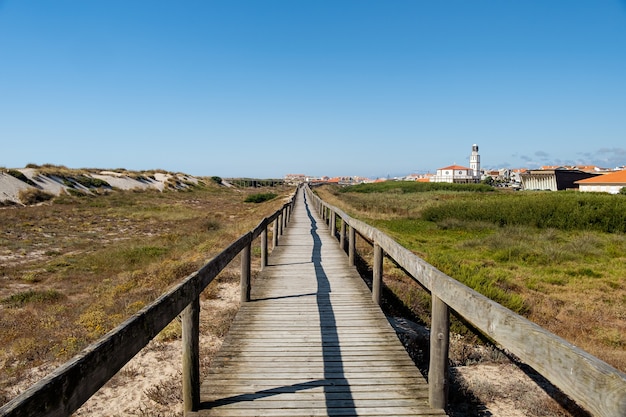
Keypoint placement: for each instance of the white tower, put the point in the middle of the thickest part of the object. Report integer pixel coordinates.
(475, 161)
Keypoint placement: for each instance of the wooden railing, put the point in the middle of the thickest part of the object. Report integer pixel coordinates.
(64, 390)
(592, 383)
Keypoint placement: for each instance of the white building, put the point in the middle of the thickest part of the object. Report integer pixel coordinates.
(455, 173)
(460, 174)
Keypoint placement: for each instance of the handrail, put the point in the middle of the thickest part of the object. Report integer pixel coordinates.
(68, 387)
(592, 383)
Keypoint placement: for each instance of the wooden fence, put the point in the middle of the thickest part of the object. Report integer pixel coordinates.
(68, 387)
(592, 383)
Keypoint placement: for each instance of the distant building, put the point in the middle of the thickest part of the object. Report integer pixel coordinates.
(553, 179)
(456, 174)
(460, 174)
(418, 177)
(610, 183)
(475, 161)
(294, 179)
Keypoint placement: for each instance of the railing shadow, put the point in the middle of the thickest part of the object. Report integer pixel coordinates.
(331, 350)
(284, 297)
(287, 389)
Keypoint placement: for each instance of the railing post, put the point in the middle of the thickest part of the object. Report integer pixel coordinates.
(245, 273)
(275, 234)
(351, 246)
(280, 223)
(191, 356)
(439, 342)
(378, 274)
(342, 236)
(284, 218)
(333, 223)
(264, 246)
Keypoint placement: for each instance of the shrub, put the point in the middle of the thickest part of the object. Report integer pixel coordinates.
(91, 182)
(260, 198)
(32, 296)
(217, 180)
(141, 254)
(33, 196)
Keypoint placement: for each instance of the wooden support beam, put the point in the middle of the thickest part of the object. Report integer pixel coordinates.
(378, 274)
(245, 273)
(439, 343)
(351, 246)
(264, 253)
(191, 356)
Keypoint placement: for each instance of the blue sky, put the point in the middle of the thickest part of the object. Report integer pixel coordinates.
(264, 88)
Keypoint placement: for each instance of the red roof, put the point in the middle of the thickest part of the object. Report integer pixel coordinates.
(456, 167)
(618, 177)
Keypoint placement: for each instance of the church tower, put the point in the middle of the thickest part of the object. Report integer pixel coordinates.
(475, 161)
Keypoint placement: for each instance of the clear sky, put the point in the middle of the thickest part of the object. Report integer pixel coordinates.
(262, 88)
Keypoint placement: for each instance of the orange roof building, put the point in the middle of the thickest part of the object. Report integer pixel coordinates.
(607, 183)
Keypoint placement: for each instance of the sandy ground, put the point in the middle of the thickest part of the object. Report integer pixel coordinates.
(150, 384)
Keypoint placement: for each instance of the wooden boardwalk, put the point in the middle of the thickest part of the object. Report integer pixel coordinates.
(312, 342)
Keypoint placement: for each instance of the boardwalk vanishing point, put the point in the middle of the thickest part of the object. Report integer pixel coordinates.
(311, 342)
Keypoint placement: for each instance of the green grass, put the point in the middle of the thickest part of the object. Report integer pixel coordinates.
(414, 187)
(32, 296)
(562, 211)
(260, 197)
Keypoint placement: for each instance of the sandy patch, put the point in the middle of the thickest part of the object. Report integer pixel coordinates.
(151, 383)
(10, 187)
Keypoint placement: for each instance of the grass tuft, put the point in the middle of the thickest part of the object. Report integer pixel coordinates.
(32, 297)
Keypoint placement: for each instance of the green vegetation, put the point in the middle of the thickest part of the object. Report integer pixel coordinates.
(90, 182)
(217, 180)
(31, 196)
(414, 187)
(260, 198)
(32, 296)
(562, 211)
(557, 258)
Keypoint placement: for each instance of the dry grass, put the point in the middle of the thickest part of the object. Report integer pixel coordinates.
(74, 268)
